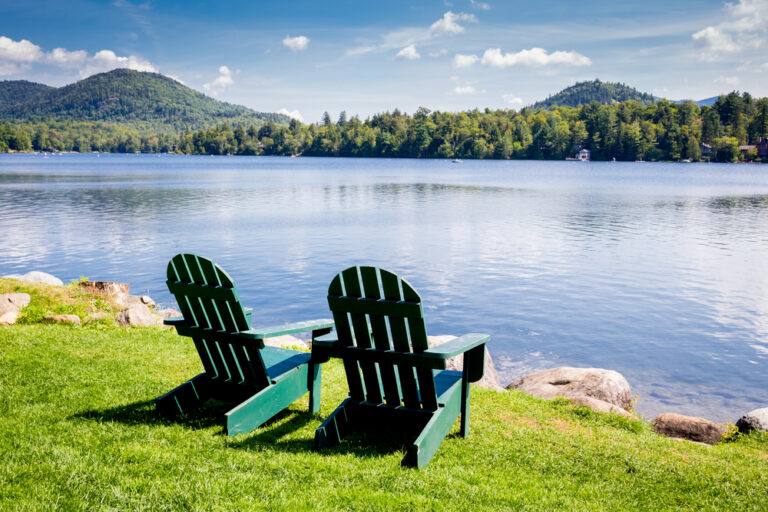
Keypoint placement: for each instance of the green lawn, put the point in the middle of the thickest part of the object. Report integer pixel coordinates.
(78, 432)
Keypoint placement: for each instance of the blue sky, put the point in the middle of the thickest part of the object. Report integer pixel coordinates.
(305, 57)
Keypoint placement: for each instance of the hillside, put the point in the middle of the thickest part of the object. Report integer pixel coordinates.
(13, 92)
(147, 100)
(605, 93)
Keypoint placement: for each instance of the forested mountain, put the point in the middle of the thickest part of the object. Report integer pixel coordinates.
(140, 99)
(605, 93)
(19, 91)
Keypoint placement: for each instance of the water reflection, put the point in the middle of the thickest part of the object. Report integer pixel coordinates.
(657, 271)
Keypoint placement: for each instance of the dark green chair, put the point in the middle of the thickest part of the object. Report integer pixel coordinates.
(397, 384)
(239, 368)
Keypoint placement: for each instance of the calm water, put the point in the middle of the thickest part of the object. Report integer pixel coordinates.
(655, 270)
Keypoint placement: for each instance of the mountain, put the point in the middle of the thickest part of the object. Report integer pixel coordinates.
(147, 100)
(605, 93)
(19, 91)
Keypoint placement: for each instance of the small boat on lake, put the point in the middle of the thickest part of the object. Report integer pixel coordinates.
(458, 161)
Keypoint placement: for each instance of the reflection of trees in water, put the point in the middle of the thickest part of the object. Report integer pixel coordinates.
(739, 203)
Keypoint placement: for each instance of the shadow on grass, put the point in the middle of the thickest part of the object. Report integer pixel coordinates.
(208, 415)
(275, 434)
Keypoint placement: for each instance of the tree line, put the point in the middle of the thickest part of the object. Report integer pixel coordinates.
(626, 131)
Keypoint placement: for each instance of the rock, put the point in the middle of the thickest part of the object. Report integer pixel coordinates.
(688, 427)
(599, 405)
(9, 317)
(64, 319)
(167, 313)
(116, 291)
(138, 315)
(606, 385)
(11, 305)
(754, 420)
(284, 341)
(36, 277)
(490, 378)
(99, 315)
(13, 302)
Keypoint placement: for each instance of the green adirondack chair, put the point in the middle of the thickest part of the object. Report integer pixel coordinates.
(397, 384)
(239, 368)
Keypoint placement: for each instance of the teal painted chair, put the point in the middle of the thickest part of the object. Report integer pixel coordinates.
(259, 380)
(397, 384)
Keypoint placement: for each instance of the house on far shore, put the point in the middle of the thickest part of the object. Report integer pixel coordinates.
(584, 155)
(762, 148)
(706, 150)
(746, 150)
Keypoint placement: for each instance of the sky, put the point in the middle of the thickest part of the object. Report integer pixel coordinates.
(304, 57)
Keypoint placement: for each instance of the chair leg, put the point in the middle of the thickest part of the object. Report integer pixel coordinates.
(259, 408)
(431, 437)
(185, 397)
(314, 377)
(465, 399)
(334, 428)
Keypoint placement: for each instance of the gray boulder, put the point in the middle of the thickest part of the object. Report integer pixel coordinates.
(284, 341)
(598, 405)
(490, 378)
(127, 300)
(11, 305)
(115, 291)
(688, 427)
(138, 315)
(36, 277)
(754, 420)
(167, 313)
(573, 383)
(64, 319)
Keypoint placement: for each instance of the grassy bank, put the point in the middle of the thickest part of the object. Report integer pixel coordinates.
(78, 432)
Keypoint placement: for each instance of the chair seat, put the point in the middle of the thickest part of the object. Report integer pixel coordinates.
(446, 382)
(280, 361)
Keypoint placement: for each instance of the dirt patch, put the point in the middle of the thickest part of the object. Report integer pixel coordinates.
(521, 420)
(562, 426)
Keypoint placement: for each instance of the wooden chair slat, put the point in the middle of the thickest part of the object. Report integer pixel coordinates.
(362, 336)
(391, 285)
(344, 331)
(371, 287)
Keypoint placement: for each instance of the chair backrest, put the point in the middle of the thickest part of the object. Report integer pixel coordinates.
(210, 305)
(374, 308)
(206, 295)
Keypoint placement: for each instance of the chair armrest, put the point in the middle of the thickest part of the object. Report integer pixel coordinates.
(279, 330)
(325, 341)
(458, 346)
(176, 320)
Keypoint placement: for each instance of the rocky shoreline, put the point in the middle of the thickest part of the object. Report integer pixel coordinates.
(601, 390)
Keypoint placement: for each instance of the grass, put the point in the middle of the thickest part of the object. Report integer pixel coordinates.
(78, 432)
(58, 300)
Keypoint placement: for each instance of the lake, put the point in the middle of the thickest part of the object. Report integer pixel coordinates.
(656, 270)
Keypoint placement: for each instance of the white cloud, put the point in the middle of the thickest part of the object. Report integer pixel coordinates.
(293, 114)
(535, 57)
(464, 61)
(480, 5)
(19, 51)
(512, 99)
(296, 43)
(465, 89)
(16, 56)
(744, 27)
(409, 52)
(106, 60)
(221, 82)
(448, 24)
(65, 58)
